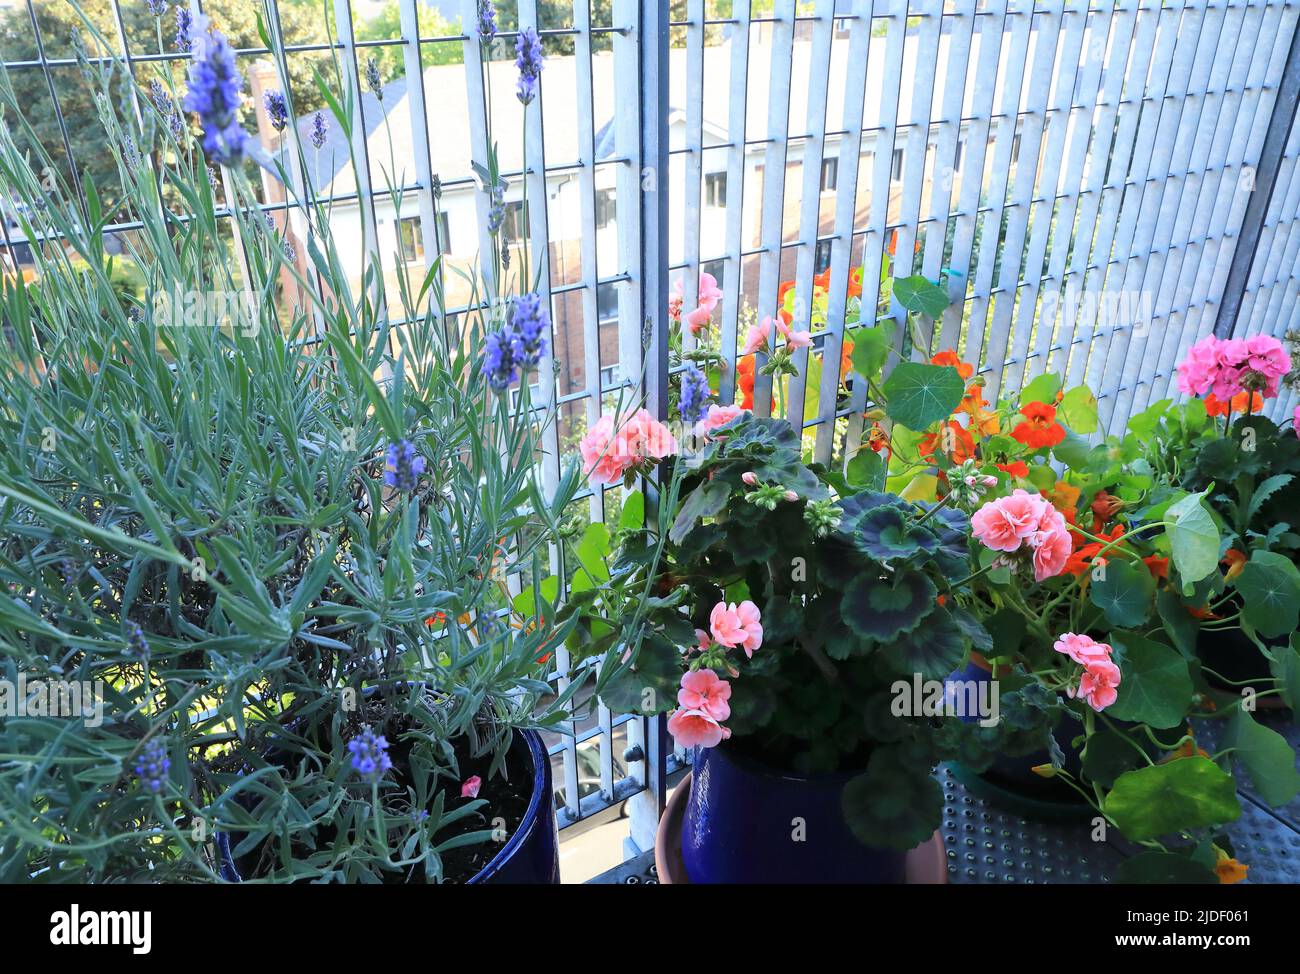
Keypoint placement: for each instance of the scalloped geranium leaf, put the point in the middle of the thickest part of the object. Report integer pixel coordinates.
(934, 650)
(971, 628)
(918, 394)
(895, 804)
(648, 685)
(886, 533)
(706, 500)
(1162, 799)
(883, 608)
(1270, 585)
(1124, 592)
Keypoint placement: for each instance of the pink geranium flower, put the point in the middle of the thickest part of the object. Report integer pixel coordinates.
(757, 337)
(1052, 549)
(715, 417)
(1228, 367)
(470, 786)
(1081, 648)
(794, 339)
(695, 728)
(1004, 523)
(705, 691)
(1197, 372)
(1097, 686)
(609, 452)
(737, 625)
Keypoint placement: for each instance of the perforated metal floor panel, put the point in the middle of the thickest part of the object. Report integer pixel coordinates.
(987, 844)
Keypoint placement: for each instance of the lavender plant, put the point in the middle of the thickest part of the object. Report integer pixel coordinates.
(270, 538)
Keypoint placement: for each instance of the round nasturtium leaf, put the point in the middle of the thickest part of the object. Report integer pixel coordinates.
(1270, 585)
(1162, 799)
(1125, 592)
(918, 394)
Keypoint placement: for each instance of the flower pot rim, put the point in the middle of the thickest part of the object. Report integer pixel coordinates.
(756, 767)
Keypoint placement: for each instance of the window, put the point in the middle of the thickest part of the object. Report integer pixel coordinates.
(822, 256)
(956, 162)
(515, 224)
(830, 174)
(1015, 150)
(896, 172)
(607, 302)
(715, 189)
(605, 211)
(409, 239)
(715, 267)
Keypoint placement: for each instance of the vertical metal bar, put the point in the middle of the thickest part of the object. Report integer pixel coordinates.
(846, 212)
(1270, 158)
(476, 66)
(694, 161)
(732, 284)
(417, 111)
(360, 153)
(627, 145)
(814, 150)
(774, 161)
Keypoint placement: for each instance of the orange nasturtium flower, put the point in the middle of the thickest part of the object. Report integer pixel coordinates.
(846, 357)
(1064, 497)
(877, 439)
(1157, 566)
(949, 357)
(1242, 402)
(1228, 869)
(1106, 505)
(952, 440)
(1019, 469)
(1040, 428)
(1234, 562)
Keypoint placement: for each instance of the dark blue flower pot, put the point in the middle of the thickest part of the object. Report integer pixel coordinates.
(530, 855)
(741, 820)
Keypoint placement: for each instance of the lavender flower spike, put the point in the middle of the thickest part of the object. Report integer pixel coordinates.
(214, 93)
(528, 59)
(184, 28)
(277, 110)
(319, 130)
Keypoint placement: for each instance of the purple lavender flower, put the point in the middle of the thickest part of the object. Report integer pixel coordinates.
(372, 78)
(213, 93)
(529, 323)
(319, 130)
(153, 764)
(277, 110)
(184, 27)
(496, 208)
(156, 7)
(136, 645)
(487, 21)
(694, 400)
(528, 59)
(369, 754)
(402, 466)
(499, 360)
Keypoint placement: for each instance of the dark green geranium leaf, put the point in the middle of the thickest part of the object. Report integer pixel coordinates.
(896, 804)
(1266, 756)
(883, 608)
(1155, 684)
(920, 295)
(1163, 867)
(1124, 592)
(649, 684)
(918, 394)
(971, 628)
(887, 533)
(706, 500)
(1162, 799)
(1270, 585)
(934, 650)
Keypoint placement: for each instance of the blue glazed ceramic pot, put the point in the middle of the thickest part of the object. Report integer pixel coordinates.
(748, 824)
(531, 855)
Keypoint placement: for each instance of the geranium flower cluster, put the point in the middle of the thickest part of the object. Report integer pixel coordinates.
(709, 296)
(703, 698)
(610, 452)
(1226, 368)
(1023, 520)
(1100, 678)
